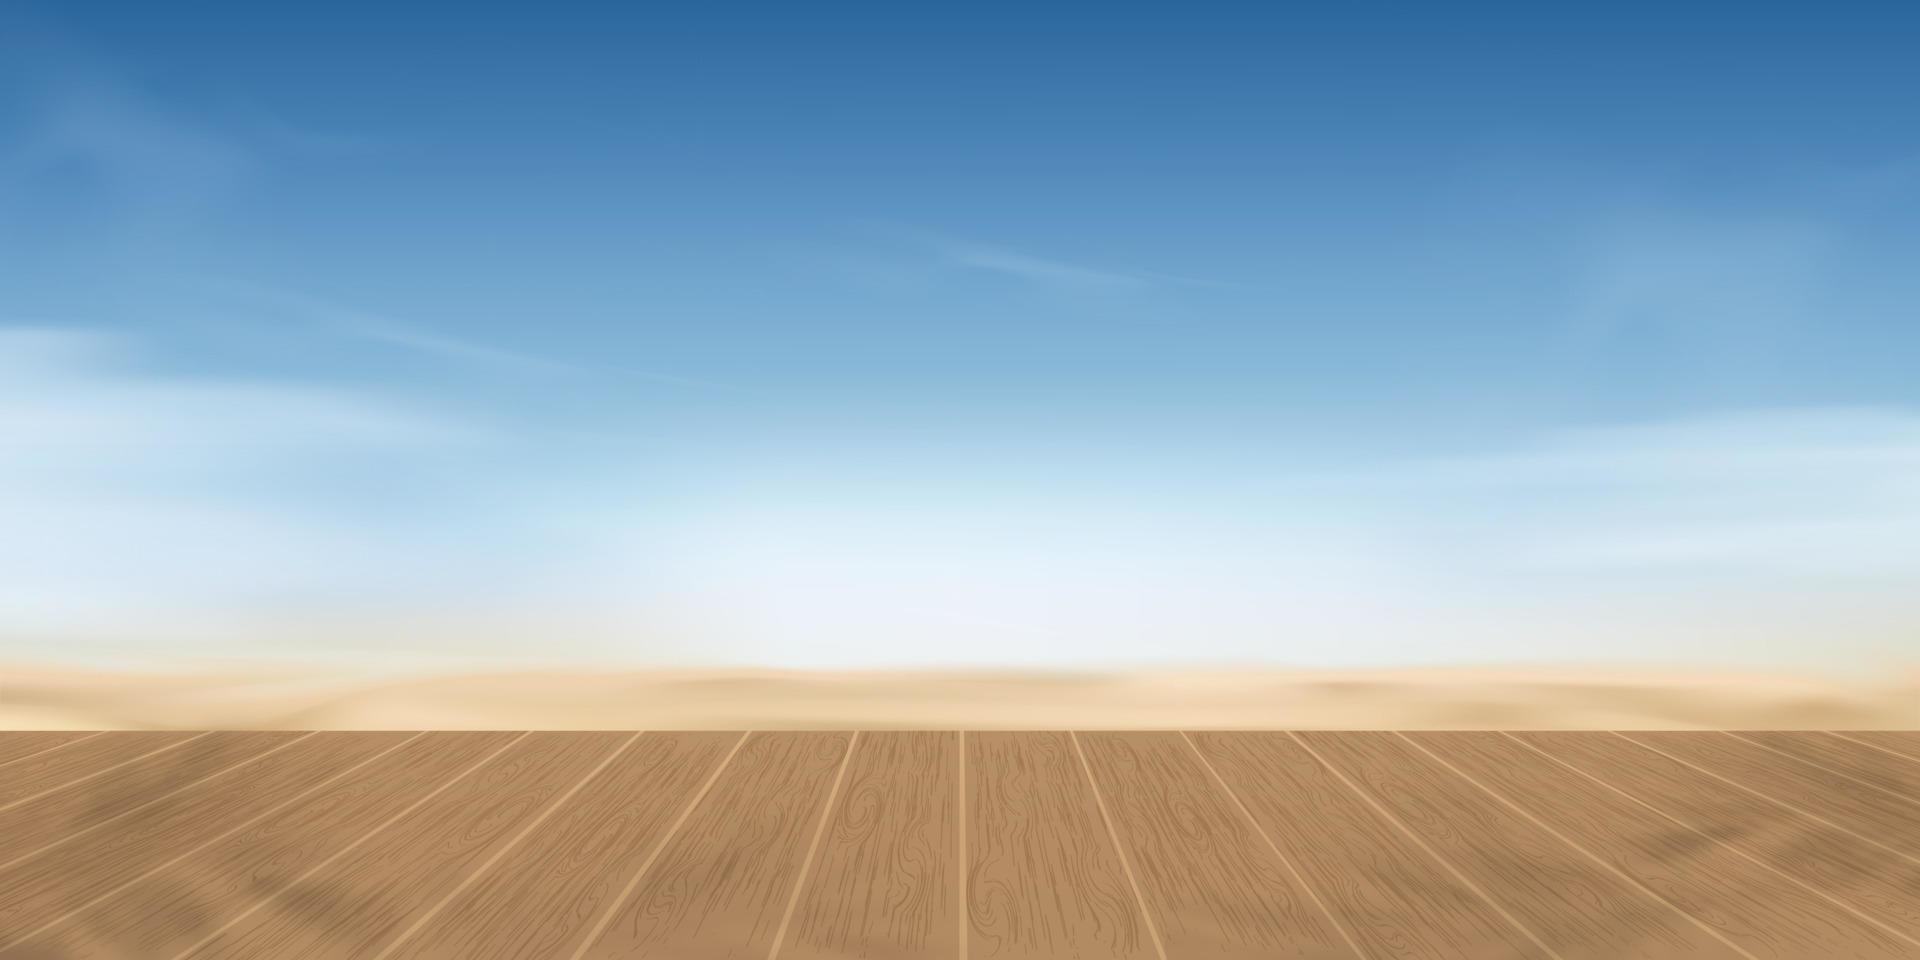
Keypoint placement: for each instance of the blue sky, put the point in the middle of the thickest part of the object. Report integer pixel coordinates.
(864, 334)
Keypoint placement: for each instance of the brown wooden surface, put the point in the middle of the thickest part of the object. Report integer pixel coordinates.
(367, 898)
(16, 746)
(1891, 821)
(34, 776)
(87, 805)
(64, 875)
(884, 883)
(1864, 765)
(722, 886)
(1390, 893)
(1879, 884)
(934, 845)
(541, 900)
(1904, 743)
(1043, 879)
(1578, 908)
(1753, 908)
(1210, 884)
(162, 914)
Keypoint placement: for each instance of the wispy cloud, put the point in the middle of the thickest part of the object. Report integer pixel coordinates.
(1765, 495)
(65, 391)
(910, 256)
(1024, 266)
(375, 328)
(1021, 265)
(136, 505)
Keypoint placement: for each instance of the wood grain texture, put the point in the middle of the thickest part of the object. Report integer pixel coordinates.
(883, 884)
(79, 763)
(542, 899)
(1578, 909)
(1906, 743)
(1043, 878)
(17, 744)
(34, 824)
(1211, 884)
(1755, 908)
(721, 886)
(1889, 820)
(792, 846)
(1880, 884)
(162, 914)
(1395, 898)
(1896, 775)
(363, 901)
(54, 880)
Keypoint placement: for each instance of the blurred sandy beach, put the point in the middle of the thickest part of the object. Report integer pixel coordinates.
(46, 697)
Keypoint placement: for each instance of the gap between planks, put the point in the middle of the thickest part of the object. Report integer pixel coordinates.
(1864, 743)
(1596, 858)
(1722, 843)
(58, 746)
(1422, 843)
(1776, 801)
(1869, 784)
(1113, 836)
(83, 831)
(343, 851)
(1284, 860)
(813, 847)
(103, 771)
(270, 811)
(501, 853)
(613, 906)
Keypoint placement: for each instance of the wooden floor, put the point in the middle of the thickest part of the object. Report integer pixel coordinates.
(379, 846)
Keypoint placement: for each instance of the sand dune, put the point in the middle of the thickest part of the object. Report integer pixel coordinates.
(41, 697)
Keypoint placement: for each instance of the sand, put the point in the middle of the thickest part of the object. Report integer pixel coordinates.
(56, 698)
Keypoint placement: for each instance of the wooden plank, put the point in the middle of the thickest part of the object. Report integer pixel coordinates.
(542, 899)
(1891, 821)
(1880, 884)
(80, 763)
(136, 788)
(1043, 878)
(1391, 894)
(1210, 884)
(1905, 743)
(168, 911)
(364, 901)
(19, 744)
(1754, 908)
(1865, 764)
(722, 885)
(54, 880)
(1578, 909)
(884, 883)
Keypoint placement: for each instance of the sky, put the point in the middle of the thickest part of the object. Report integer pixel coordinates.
(828, 335)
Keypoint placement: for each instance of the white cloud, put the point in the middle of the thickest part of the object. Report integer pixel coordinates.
(138, 504)
(143, 514)
(62, 393)
(1768, 493)
(1024, 266)
(360, 324)
(912, 259)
